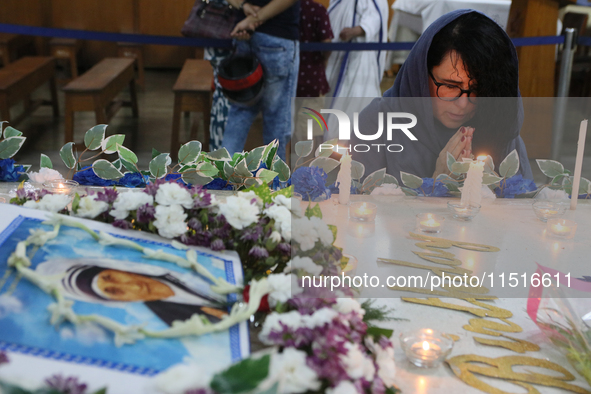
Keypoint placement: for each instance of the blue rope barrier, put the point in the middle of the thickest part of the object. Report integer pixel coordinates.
(584, 41)
(215, 43)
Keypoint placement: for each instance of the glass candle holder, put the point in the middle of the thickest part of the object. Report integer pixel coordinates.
(426, 348)
(61, 186)
(463, 212)
(545, 210)
(429, 222)
(561, 228)
(363, 211)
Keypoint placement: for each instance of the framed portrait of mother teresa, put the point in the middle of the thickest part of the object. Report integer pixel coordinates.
(117, 283)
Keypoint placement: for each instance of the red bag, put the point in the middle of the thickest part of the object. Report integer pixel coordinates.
(210, 19)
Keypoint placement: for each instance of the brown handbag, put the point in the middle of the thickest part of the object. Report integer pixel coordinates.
(210, 19)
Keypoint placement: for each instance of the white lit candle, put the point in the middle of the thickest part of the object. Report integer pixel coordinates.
(344, 178)
(562, 228)
(472, 190)
(578, 164)
(426, 347)
(363, 211)
(429, 222)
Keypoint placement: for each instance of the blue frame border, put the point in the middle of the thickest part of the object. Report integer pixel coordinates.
(236, 353)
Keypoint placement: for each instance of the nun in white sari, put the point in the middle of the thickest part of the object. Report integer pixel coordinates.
(356, 73)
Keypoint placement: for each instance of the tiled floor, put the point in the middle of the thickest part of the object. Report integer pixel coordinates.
(46, 135)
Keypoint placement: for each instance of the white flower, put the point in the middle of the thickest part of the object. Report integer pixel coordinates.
(282, 217)
(174, 194)
(348, 305)
(275, 237)
(487, 193)
(128, 335)
(319, 318)
(44, 175)
(170, 221)
(239, 212)
(129, 201)
(357, 364)
(19, 256)
(62, 310)
(49, 202)
(386, 365)
(305, 264)
(284, 287)
(326, 236)
(387, 189)
(250, 195)
(384, 360)
(273, 322)
(292, 372)
(549, 194)
(90, 208)
(304, 233)
(344, 387)
(293, 204)
(181, 378)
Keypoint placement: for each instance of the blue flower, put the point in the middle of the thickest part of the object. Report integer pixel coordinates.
(310, 183)
(334, 188)
(88, 177)
(132, 179)
(218, 184)
(9, 172)
(511, 187)
(175, 177)
(432, 188)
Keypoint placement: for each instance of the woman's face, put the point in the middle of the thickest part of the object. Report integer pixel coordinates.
(452, 114)
(125, 286)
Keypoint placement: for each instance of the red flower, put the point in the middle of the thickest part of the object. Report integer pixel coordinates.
(264, 306)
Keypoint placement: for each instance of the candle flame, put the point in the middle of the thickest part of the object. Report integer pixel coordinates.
(425, 345)
(61, 186)
(481, 158)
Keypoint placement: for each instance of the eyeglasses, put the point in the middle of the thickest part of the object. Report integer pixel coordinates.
(452, 92)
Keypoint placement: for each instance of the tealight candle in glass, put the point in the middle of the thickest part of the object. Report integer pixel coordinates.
(561, 228)
(61, 186)
(429, 222)
(463, 212)
(363, 211)
(545, 210)
(426, 348)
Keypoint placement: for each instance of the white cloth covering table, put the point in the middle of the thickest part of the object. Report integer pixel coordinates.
(412, 17)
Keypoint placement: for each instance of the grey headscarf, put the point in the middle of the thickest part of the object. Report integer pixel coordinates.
(408, 95)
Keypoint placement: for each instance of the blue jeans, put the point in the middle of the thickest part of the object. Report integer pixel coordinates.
(280, 60)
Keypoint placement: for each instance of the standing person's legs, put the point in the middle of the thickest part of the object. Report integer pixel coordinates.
(280, 60)
(239, 118)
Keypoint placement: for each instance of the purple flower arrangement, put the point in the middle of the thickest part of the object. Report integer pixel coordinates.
(191, 216)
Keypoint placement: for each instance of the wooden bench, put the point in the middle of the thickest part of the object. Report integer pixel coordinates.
(20, 78)
(10, 44)
(192, 93)
(135, 51)
(96, 89)
(67, 49)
